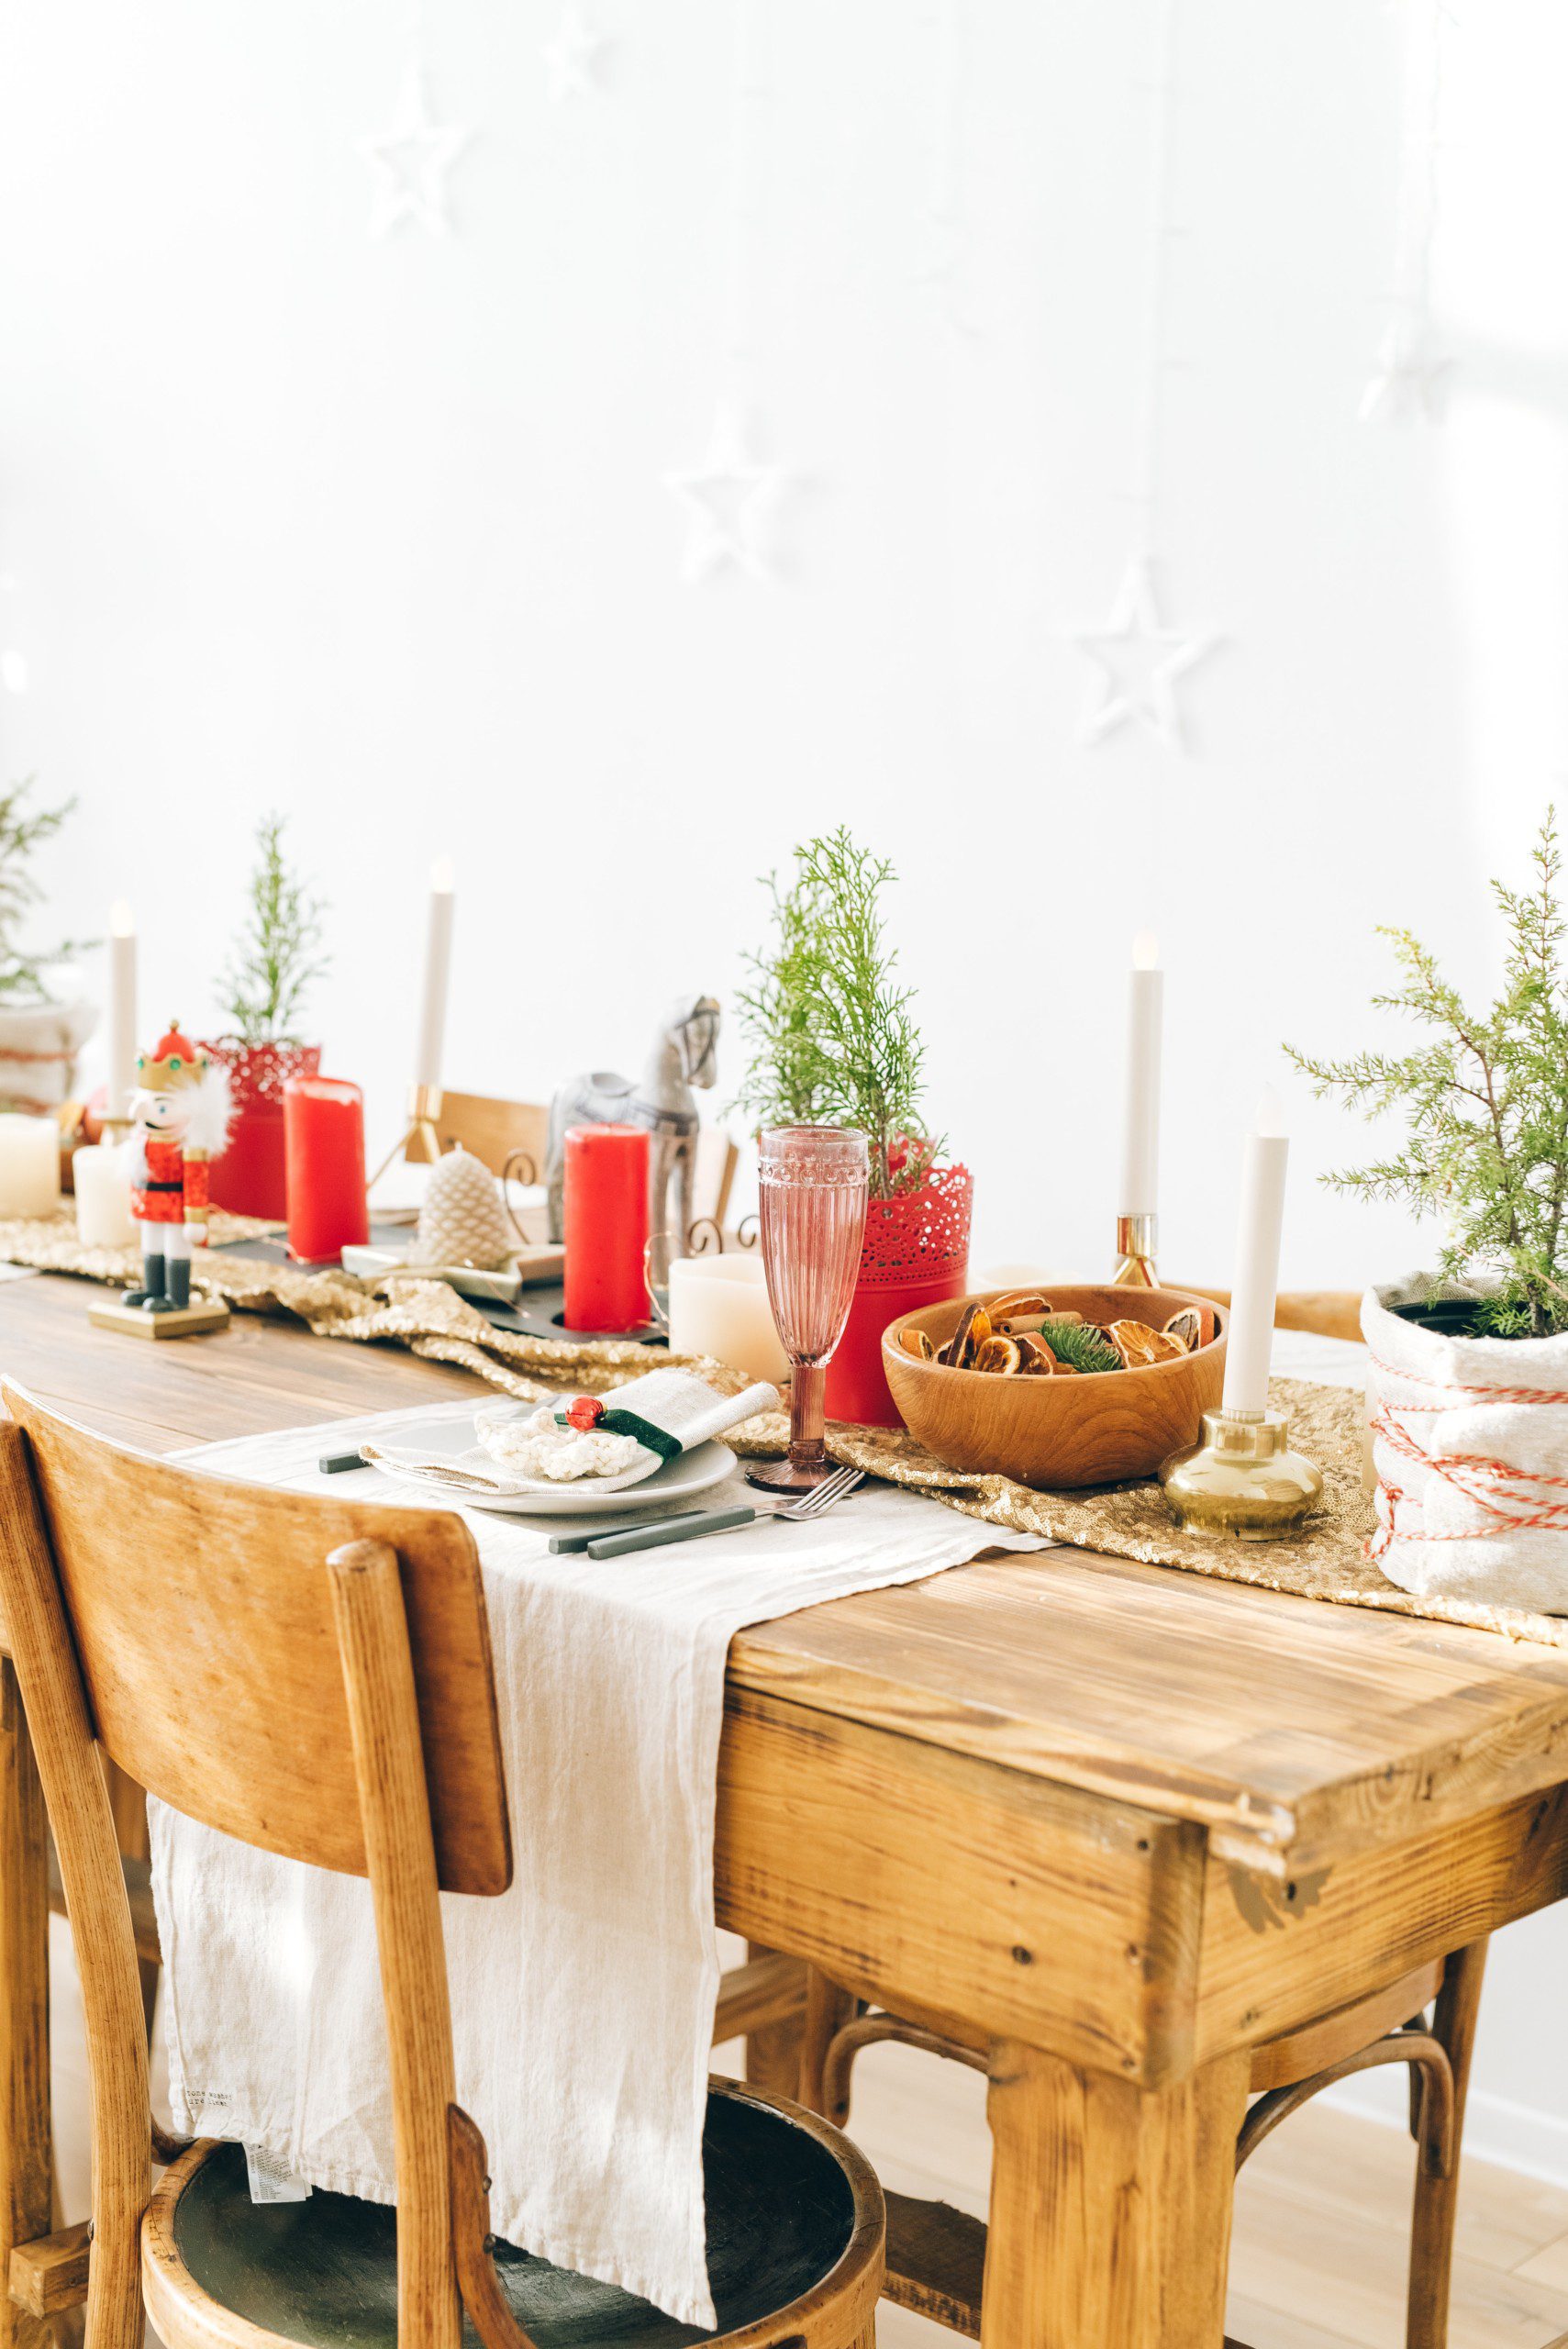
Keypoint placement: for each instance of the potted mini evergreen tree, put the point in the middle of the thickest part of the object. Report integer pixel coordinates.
(1469, 1379)
(833, 1042)
(41, 1032)
(276, 960)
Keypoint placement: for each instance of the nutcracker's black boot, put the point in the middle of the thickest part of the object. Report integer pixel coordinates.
(179, 1284)
(152, 1290)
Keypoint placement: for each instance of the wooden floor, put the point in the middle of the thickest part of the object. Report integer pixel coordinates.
(1318, 2260)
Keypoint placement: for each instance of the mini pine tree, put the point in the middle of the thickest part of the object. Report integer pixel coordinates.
(22, 829)
(275, 962)
(1486, 1108)
(833, 1038)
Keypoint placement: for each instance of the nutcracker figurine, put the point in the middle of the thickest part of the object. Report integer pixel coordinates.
(180, 1115)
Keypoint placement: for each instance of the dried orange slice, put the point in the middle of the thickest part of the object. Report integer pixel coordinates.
(1186, 1328)
(973, 1329)
(917, 1343)
(1035, 1357)
(998, 1355)
(1139, 1345)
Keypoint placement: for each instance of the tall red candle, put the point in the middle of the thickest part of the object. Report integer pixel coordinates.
(324, 1159)
(605, 1227)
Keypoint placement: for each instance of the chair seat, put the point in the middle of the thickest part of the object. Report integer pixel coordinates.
(782, 2214)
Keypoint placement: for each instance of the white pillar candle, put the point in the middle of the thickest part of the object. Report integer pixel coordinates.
(718, 1305)
(1138, 1194)
(437, 964)
(1252, 1333)
(29, 1165)
(103, 1196)
(122, 1008)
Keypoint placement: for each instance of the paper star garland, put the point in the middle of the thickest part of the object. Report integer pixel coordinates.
(1140, 662)
(731, 499)
(1411, 382)
(410, 162)
(570, 57)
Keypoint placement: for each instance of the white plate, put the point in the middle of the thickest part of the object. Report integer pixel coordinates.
(680, 1479)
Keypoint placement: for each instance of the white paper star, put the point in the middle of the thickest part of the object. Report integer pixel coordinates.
(1139, 662)
(570, 57)
(1411, 382)
(730, 499)
(411, 162)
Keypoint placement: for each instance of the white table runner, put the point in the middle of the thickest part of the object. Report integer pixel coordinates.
(582, 1999)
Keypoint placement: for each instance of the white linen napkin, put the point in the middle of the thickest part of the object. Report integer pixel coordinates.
(583, 1999)
(671, 1408)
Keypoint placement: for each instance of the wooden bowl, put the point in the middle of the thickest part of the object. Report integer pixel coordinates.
(1095, 1430)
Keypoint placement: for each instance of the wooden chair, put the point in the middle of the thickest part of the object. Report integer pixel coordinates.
(314, 1677)
(495, 1132)
(502, 1133)
(936, 2256)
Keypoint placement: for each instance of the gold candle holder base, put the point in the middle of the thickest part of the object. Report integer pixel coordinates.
(424, 1108)
(1136, 1239)
(1242, 1483)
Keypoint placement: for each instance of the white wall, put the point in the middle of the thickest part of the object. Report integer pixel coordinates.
(376, 533)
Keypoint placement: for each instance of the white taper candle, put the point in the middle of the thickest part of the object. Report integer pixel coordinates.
(121, 1081)
(1252, 1334)
(437, 964)
(1137, 1193)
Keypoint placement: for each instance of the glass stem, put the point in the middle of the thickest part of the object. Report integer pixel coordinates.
(807, 1419)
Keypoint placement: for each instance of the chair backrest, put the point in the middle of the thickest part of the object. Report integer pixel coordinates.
(312, 1676)
(1322, 1312)
(492, 1132)
(717, 1160)
(495, 1132)
(202, 1620)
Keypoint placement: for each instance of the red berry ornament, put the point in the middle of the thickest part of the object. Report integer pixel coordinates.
(584, 1412)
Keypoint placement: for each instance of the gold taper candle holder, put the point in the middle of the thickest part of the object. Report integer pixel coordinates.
(1137, 1240)
(424, 1108)
(1242, 1482)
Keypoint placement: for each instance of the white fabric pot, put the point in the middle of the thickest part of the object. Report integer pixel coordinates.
(39, 1044)
(1470, 1441)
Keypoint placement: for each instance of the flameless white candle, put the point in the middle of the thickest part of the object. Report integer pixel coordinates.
(1140, 1128)
(103, 1196)
(718, 1305)
(438, 963)
(122, 1008)
(29, 1165)
(1252, 1334)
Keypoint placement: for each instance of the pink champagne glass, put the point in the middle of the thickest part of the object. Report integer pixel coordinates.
(813, 1187)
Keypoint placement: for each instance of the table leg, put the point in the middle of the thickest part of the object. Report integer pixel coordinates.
(773, 2054)
(1110, 2205)
(827, 2009)
(25, 2148)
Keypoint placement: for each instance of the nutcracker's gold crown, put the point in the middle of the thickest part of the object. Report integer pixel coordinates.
(174, 1062)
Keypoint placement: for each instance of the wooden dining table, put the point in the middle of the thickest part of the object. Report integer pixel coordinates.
(1117, 1824)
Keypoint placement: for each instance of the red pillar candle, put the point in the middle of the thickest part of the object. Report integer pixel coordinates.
(323, 1158)
(605, 1227)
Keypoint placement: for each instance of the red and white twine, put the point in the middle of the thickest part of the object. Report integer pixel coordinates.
(1511, 1495)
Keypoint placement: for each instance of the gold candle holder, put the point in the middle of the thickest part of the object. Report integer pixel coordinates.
(1137, 1240)
(1242, 1482)
(424, 1108)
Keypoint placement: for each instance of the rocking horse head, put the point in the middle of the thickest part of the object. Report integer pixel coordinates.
(693, 1027)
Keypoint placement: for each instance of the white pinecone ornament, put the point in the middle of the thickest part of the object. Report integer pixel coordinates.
(462, 1220)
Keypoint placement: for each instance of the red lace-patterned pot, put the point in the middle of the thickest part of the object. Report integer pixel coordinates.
(915, 1253)
(247, 1178)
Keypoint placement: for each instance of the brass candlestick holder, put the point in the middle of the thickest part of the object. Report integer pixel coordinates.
(1137, 1240)
(424, 1108)
(1242, 1482)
